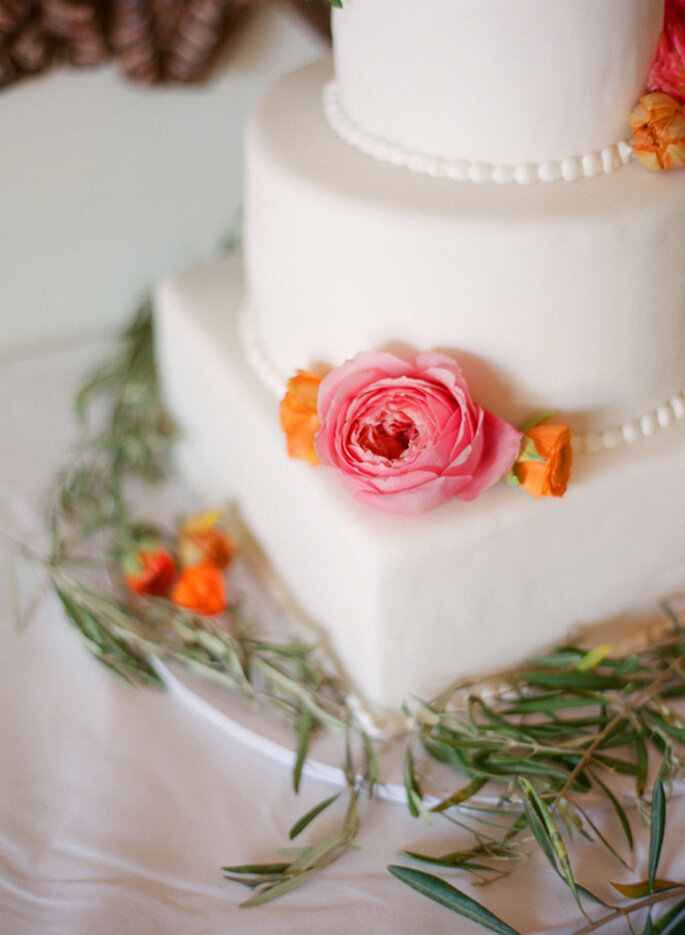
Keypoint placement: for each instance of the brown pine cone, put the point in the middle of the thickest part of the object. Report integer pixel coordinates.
(77, 23)
(13, 14)
(8, 71)
(132, 37)
(32, 49)
(165, 15)
(201, 27)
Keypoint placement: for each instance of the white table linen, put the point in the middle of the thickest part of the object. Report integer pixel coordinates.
(118, 807)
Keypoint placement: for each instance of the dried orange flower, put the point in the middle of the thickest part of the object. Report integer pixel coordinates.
(658, 125)
(299, 416)
(547, 474)
(202, 539)
(150, 569)
(201, 588)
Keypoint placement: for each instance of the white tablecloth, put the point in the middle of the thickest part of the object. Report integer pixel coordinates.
(118, 807)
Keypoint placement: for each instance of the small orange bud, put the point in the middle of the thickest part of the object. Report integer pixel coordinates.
(658, 125)
(149, 570)
(549, 477)
(299, 416)
(201, 588)
(201, 539)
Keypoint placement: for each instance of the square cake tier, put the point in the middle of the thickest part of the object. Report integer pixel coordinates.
(410, 604)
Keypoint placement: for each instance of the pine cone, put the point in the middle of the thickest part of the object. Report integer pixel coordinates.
(78, 25)
(165, 15)
(201, 26)
(13, 14)
(132, 36)
(31, 49)
(8, 71)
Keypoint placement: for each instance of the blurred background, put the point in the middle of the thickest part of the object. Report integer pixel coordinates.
(121, 152)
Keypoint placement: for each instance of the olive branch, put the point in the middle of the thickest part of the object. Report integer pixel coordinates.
(558, 731)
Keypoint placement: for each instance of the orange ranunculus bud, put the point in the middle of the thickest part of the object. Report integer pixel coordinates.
(299, 416)
(658, 125)
(548, 477)
(201, 539)
(200, 588)
(150, 569)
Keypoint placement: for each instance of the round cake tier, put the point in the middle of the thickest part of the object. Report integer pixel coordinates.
(494, 80)
(567, 296)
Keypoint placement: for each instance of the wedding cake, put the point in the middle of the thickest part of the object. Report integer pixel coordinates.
(446, 235)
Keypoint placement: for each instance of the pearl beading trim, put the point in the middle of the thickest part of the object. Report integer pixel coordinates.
(460, 170)
(673, 410)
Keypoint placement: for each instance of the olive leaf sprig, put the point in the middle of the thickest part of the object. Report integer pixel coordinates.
(559, 732)
(643, 895)
(556, 734)
(90, 524)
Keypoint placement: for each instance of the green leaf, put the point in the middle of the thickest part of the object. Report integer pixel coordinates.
(656, 830)
(411, 785)
(536, 420)
(671, 922)
(449, 896)
(537, 826)
(313, 855)
(552, 834)
(280, 889)
(461, 795)
(258, 869)
(529, 451)
(303, 735)
(620, 812)
(302, 823)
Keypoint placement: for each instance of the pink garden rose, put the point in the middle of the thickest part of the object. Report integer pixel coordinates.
(407, 436)
(668, 71)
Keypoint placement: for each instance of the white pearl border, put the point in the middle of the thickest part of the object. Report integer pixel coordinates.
(460, 170)
(673, 410)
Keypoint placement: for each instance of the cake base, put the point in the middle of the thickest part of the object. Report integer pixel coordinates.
(411, 604)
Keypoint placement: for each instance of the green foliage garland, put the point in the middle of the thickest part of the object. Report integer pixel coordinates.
(561, 727)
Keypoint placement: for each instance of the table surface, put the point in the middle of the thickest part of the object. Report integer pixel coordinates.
(118, 807)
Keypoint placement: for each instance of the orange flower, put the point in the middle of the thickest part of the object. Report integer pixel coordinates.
(547, 477)
(150, 569)
(201, 539)
(658, 125)
(201, 588)
(299, 416)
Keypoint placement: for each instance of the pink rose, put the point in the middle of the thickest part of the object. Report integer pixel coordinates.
(674, 12)
(667, 74)
(407, 436)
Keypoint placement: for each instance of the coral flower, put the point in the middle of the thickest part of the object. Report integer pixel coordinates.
(150, 569)
(668, 71)
(299, 416)
(201, 539)
(201, 588)
(406, 436)
(548, 477)
(658, 125)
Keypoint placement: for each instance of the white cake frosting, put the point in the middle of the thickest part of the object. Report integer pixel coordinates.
(556, 297)
(552, 297)
(495, 81)
(569, 169)
(410, 603)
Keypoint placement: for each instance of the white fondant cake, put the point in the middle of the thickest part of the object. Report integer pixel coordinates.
(565, 297)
